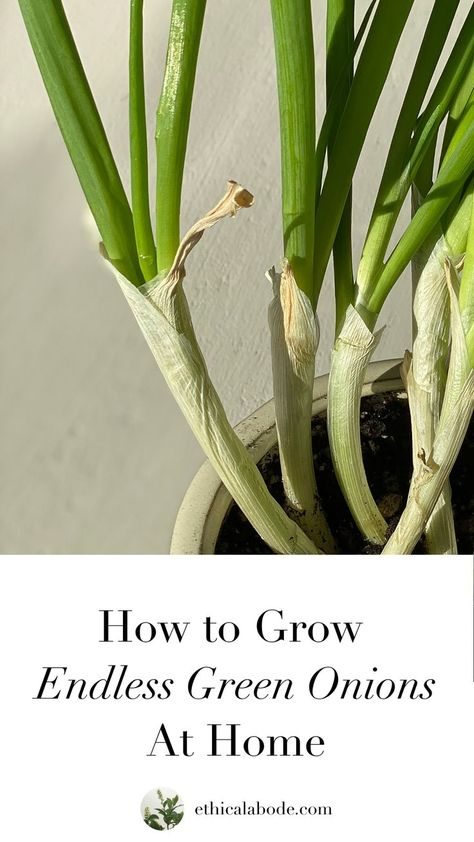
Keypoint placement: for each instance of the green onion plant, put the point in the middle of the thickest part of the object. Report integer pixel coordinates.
(429, 162)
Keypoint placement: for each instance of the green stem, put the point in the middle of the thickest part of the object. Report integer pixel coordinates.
(339, 53)
(294, 51)
(172, 124)
(139, 147)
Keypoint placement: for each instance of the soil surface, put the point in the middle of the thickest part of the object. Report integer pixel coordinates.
(386, 448)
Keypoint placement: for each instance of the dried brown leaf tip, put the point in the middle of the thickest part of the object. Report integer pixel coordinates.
(234, 198)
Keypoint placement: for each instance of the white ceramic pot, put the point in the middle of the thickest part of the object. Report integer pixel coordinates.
(207, 501)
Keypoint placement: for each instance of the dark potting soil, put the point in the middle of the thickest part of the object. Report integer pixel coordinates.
(386, 448)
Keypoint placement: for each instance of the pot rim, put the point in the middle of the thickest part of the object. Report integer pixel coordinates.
(207, 501)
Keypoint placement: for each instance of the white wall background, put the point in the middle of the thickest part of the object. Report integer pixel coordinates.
(94, 455)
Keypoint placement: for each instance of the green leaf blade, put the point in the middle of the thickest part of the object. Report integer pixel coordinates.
(292, 25)
(172, 124)
(80, 124)
(452, 176)
(369, 79)
(397, 176)
(448, 95)
(339, 54)
(139, 146)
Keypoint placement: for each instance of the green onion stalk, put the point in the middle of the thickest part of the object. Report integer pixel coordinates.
(293, 326)
(345, 143)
